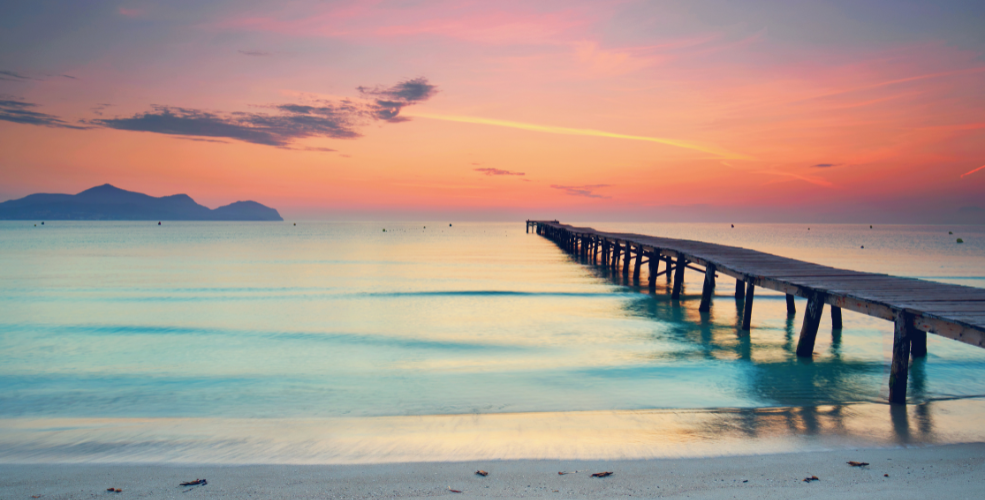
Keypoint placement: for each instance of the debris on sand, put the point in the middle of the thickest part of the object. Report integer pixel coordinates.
(857, 464)
(113, 490)
(812, 478)
(197, 482)
(482, 473)
(454, 491)
(602, 474)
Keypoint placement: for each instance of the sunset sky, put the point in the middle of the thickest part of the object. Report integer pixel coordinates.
(778, 110)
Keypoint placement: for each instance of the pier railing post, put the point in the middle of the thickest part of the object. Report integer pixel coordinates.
(708, 288)
(678, 277)
(747, 306)
(812, 319)
(902, 335)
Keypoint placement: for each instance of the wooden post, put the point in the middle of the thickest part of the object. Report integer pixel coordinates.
(654, 264)
(899, 373)
(740, 289)
(639, 262)
(708, 289)
(791, 307)
(747, 307)
(836, 318)
(678, 277)
(918, 343)
(668, 263)
(616, 250)
(808, 332)
(627, 256)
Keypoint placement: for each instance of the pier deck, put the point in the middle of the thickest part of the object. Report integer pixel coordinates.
(915, 306)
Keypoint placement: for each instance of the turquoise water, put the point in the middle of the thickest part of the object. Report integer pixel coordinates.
(333, 320)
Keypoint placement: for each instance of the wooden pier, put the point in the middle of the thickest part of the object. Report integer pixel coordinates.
(915, 307)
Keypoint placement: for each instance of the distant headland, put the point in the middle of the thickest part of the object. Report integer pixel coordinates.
(109, 202)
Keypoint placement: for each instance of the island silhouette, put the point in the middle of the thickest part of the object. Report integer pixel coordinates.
(108, 202)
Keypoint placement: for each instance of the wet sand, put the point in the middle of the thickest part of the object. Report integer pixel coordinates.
(948, 471)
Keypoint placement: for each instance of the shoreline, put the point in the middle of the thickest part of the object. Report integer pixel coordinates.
(588, 435)
(952, 471)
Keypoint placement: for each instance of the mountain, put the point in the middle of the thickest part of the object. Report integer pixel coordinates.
(109, 202)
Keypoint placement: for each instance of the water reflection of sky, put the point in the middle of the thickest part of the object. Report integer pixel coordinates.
(114, 321)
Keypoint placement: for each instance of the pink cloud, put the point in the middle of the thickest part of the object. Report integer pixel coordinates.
(131, 13)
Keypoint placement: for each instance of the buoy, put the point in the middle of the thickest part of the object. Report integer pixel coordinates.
(733, 226)
(449, 225)
(384, 230)
(295, 223)
(158, 223)
(960, 240)
(42, 223)
(870, 226)
(950, 232)
(863, 246)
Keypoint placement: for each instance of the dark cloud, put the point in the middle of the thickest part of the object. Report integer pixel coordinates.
(288, 122)
(496, 171)
(255, 53)
(70, 76)
(319, 150)
(199, 139)
(390, 100)
(10, 76)
(582, 190)
(98, 109)
(21, 112)
(825, 165)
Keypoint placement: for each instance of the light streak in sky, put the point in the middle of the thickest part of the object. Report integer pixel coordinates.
(973, 171)
(584, 132)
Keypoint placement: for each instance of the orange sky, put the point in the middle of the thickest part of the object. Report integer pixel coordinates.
(610, 110)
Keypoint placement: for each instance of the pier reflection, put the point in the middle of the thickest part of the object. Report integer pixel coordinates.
(802, 396)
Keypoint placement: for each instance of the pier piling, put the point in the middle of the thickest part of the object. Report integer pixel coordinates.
(916, 307)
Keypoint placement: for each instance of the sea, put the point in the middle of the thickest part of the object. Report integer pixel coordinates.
(369, 342)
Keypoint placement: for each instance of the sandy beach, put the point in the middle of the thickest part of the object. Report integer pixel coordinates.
(950, 471)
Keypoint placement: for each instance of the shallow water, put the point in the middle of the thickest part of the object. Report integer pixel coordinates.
(215, 321)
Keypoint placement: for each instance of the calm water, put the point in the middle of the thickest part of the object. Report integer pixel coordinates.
(111, 322)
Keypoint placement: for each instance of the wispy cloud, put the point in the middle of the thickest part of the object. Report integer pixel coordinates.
(722, 153)
(11, 76)
(971, 172)
(333, 119)
(256, 53)
(21, 112)
(99, 108)
(813, 180)
(199, 139)
(390, 100)
(496, 171)
(131, 13)
(586, 190)
(825, 165)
